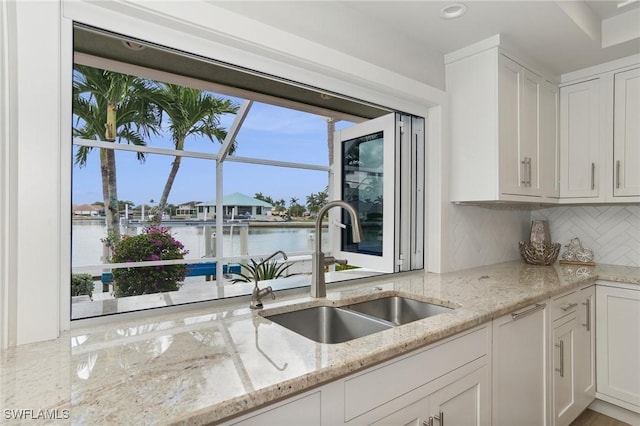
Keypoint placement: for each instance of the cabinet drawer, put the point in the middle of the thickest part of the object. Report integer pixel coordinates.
(376, 387)
(564, 304)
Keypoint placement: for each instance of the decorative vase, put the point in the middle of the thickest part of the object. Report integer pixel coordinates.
(539, 250)
(540, 232)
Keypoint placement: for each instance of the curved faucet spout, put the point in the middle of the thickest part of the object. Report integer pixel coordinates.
(284, 256)
(318, 285)
(257, 294)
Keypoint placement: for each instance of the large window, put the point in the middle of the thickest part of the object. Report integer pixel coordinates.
(185, 176)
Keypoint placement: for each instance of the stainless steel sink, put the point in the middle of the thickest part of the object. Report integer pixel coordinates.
(327, 324)
(398, 310)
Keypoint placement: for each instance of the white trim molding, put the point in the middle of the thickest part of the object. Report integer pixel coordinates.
(8, 189)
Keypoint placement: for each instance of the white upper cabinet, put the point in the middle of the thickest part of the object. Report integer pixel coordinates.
(503, 123)
(580, 157)
(600, 136)
(626, 134)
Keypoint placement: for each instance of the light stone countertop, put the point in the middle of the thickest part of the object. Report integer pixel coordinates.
(205, 365)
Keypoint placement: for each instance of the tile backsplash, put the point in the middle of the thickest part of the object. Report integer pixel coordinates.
(480, 236)
(611, 231)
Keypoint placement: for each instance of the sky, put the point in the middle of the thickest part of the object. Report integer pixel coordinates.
(268, 132)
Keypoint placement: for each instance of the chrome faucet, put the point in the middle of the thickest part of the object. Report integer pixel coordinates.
(318, 259)
(257, 294)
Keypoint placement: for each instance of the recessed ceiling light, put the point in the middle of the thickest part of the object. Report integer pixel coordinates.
(453, 11)
(133, 46)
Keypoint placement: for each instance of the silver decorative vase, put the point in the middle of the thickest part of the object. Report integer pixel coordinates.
(539, 250)
(540, 232)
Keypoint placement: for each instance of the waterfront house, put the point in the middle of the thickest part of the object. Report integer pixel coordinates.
(236, 206)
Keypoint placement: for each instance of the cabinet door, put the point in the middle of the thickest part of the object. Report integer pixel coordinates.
(585, 361)
(464, 402)
(301, 411)
(618, 345)
(412, 415)
(549, 146)
(512, 169)
(579, 136)
(530, 133)
(519, 367)
(563, 337)
(626, 133)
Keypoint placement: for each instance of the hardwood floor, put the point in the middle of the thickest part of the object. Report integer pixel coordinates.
(592, 418)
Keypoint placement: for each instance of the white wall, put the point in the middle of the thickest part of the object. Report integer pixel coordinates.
(611, 231)
(479, 236)
(35, 144)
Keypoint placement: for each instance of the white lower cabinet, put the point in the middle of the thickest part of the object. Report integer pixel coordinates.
(520, 357)
(618, 344)
(449, 378)
(463, 402)
(572, 361)
(296, 411)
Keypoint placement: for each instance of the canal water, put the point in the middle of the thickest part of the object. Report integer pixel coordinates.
(86, 246)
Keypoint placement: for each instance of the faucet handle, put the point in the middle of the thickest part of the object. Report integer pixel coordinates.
(330, 260)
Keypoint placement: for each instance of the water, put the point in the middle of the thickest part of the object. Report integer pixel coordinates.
(86, 246)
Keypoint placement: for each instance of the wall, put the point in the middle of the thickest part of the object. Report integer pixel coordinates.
(480, 236)
(612, 232)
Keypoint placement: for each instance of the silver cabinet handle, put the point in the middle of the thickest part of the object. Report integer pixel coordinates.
(568, 306)
(618, 174)
(440, 418)
(523, 171)
(529, 164)
(593, 176)
(518, 315)
(561, 369)
(588, 305)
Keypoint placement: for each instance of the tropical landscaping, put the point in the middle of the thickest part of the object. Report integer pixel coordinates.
(115, 108)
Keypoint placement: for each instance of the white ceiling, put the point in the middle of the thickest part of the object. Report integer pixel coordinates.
(411, 38)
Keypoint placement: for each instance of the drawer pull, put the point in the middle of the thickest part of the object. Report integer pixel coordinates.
(593, 176)
(439, 418)
(588, 305)
(618, 174)
(561, 369)
(568, 306)
(518, 315)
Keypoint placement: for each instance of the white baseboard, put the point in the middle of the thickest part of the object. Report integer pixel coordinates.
(616, 412)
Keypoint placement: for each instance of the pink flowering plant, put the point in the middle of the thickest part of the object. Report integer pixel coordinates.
(155, 243)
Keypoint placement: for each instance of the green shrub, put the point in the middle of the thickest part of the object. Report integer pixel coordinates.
(82, 284)
(153, 244)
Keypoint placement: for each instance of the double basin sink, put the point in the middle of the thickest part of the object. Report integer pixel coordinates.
(329, 324)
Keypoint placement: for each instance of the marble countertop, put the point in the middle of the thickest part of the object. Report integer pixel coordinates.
(205, 365)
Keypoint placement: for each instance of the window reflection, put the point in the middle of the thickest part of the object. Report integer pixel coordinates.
(362, 186)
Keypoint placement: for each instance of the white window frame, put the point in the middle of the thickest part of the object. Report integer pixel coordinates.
(235, 39)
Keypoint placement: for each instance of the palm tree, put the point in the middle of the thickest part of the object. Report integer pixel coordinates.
(191, 112)
(111, 107)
